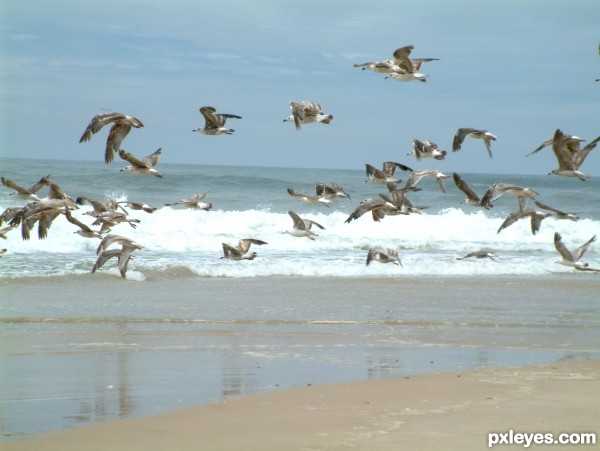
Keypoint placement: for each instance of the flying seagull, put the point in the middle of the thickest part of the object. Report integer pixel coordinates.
(462, 133)
(427, 149)
(536, 218)
(569, 258)
(141, 167)
(214, 123)
(483, 253)
(418, 174)
(397, 63)
(301, 228)
(118, 132)
(386, 174)
(307, 112)
(330, 191)
(570, 158)
(240, 252)
(193, 202)
(406, 69)
(388, 256)
(323, 200)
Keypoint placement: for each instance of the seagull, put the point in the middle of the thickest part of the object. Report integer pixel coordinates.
(393, 65)
(385, 175)
(240, 252)
(138, 206)
(569, 258)
(141, 167)
(123, 254)
(483, 253)
(426, 149)
(536, 218)
(558, 214)
(418, 174)
(120, 129)
(522, 194)
(215, 122)
(25, 193)
(389, 256)
(462, 133)
(570, 158)
(330, 191)
(472, 198)
(300, 227)
(406, 69)
(323, 200)
(306, 112)
(193, 202)
(378, 207)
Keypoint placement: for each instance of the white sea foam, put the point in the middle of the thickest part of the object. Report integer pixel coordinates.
(427, 244)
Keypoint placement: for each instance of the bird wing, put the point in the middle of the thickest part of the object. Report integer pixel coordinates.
(389, 167)
(98, 122)
(581, 249)
(132, 159)
(561, 151)
(104, 257)
(230, 251)
(540, 147)
(511, 219)
(211, 121)
(561, 248)
(465, 188)
(117, 134)
(245, 243)
(581, 155)
(298, 222)
(10, 184)
(75, 221)
(402, 58)
(460, 136)
(152, 160)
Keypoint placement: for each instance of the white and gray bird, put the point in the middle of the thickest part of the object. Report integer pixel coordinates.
(387, 256)
(241, 251)
(569, 156)
(214, 123)
(482, 253)
(307, 112)
(143, 167)
(572, 259)
(301, 227)
(195, 202)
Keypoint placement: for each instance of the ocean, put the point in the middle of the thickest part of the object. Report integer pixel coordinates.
(187, 327)
(252, 202)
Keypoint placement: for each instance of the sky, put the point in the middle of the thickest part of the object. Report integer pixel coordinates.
(520, 69)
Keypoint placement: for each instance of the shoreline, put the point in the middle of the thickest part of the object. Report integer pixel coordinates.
(448, 410)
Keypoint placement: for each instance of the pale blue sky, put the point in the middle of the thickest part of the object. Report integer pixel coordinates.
(519, 69)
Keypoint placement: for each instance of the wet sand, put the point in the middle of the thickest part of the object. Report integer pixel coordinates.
(450, 411)
(85, 351)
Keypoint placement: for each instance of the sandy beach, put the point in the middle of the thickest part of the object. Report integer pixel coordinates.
(450, 411)
(295, 363)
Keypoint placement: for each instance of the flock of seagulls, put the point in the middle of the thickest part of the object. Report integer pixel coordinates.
(106, 215)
